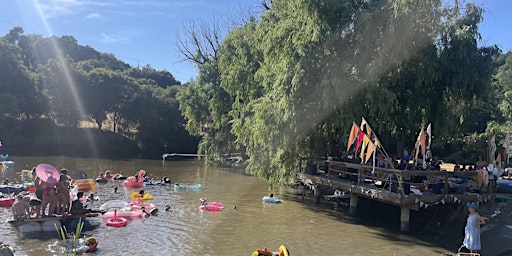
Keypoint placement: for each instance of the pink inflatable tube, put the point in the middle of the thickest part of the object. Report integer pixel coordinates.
(214, 206)
(138, 206)
(125, 214)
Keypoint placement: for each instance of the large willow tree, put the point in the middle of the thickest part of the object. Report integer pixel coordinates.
(298, 75)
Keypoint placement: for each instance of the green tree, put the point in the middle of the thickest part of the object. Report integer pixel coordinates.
(103, 91)
(62, 85)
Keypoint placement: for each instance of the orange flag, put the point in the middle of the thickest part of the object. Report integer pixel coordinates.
(353, 135)
(369, 152)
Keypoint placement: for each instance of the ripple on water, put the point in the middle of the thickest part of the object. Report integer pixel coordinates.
(305, 228)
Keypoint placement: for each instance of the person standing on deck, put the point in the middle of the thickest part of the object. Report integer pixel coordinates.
(480, 163)
(472, 230)
(404, 162)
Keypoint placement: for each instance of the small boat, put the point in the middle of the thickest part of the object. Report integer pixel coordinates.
(190, 186)
(6, 201)
(273, 199)
(265, 252)
(214, 206)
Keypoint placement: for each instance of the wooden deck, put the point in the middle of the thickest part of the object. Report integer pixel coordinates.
(433, 187)
(61, 218)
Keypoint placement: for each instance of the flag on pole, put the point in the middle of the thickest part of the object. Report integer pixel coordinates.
(429, 136)
(360, 137)
(492, 148)
(366, 141)
(369, 131)
(353, 135)
(370, 151)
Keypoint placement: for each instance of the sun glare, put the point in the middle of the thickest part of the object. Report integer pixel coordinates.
(69, 79)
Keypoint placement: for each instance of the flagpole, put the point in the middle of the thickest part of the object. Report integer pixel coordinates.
(390, 162)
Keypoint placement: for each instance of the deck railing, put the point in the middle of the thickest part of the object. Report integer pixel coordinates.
(425, 179)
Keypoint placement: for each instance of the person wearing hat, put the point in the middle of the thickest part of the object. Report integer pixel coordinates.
(472, 230)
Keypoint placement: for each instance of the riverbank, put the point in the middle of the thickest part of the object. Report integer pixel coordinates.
(448, 229)
(495, 235)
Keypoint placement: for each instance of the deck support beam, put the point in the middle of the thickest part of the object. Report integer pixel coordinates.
(353, 203)
(405, 214)
(316, 194)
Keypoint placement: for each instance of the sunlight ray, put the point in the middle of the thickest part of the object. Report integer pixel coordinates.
(69, 79)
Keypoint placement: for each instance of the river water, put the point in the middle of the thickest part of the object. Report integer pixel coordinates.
(303, 227)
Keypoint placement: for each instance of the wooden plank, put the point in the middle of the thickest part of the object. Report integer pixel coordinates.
(369, 191)
(59, 217)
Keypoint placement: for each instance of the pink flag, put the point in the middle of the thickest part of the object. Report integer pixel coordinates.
(360, 137)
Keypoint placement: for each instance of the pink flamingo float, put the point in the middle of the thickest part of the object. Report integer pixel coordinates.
(135, 182)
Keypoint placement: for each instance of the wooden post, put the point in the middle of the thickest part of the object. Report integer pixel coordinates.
(316, 193)
(404, 219)
(446, 187)
(353, 204)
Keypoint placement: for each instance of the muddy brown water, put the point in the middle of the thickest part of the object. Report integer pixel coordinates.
(303, 227)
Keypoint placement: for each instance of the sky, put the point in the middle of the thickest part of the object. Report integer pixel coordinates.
(144, 32)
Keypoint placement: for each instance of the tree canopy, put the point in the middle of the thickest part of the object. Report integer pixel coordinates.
(55, 78)
(289, 83)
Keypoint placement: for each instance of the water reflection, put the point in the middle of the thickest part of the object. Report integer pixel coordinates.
(305, 228)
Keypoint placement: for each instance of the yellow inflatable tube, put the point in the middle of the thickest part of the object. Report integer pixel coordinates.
(282, 252)
(85, 185)
(146, 196)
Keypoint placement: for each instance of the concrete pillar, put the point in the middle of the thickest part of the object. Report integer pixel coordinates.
(317, 194)
(404, 219)
(353, 204)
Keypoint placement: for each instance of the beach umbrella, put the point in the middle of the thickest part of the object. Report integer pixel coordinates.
(47, 173)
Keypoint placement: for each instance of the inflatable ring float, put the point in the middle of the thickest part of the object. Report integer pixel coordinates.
(146, 196)
(117, 222)
(264, 252)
